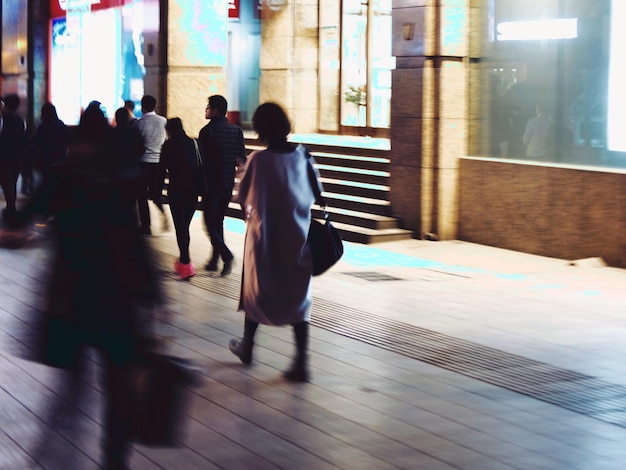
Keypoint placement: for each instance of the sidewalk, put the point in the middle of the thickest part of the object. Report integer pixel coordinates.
(425, 355)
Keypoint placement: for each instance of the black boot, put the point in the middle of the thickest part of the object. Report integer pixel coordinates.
(299, 371)
(242, 348)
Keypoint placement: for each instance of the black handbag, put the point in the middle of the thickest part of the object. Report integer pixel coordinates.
(325, 244)
(324, 239)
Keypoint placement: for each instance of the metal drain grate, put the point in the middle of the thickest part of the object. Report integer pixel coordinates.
(373, 276)
(561, 387)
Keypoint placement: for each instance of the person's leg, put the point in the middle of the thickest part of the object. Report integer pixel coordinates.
(209, 209)
(9, 172)
(299, 371)
(181, 227)
(222, 208)
(215, 227)
(28, 178)
(153, 187)
(189, 209)
(142, 199)
(242, 348)
(155, 195)
(119, 411)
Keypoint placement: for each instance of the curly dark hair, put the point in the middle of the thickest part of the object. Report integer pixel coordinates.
(271, 123)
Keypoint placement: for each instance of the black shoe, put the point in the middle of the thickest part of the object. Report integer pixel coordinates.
(228, 267)
(236, 347)
(211, 266)
(297, 374)
(145, 230)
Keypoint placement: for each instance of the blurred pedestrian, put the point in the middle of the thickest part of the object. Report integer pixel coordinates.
(101, 270)
(276, 196)
(537, 134)
(151, 126)
(179, 162)
(224, 151)
(12, 146)
(129, 105)
(129, 137)
(51, 140)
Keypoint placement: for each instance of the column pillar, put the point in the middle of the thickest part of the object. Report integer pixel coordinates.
(429, 117)
(289, 61)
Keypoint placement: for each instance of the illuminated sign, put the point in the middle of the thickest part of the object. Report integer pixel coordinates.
(59, 8)
(233, 9)
(566, 28)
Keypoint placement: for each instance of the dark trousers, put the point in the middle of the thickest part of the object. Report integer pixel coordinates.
(28, 178)
(214, 205)
(148, 190)
(9, 173)
(182, 207)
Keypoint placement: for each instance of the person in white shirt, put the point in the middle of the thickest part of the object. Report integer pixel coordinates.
(151, 126)
(537, 134)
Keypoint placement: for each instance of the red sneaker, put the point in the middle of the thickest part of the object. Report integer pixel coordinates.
(185, 271)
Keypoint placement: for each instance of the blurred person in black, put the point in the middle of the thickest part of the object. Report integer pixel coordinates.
(224, 152)
(51, 140)
(179, 163)
(129, 140)
(101, 273)
(130, 107)
(12, 146)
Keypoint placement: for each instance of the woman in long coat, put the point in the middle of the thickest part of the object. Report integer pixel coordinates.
(276, 196)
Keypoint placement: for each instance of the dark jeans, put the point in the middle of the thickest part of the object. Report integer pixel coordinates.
(214, 205)
(182, 207)
(148, 190)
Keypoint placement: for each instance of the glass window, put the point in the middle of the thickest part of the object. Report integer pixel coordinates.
(550, 82)
(359, 49)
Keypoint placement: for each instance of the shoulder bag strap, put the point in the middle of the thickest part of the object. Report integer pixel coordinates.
(315, 185)
(199, 161)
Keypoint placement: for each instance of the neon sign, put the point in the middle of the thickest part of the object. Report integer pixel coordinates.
(565, 28)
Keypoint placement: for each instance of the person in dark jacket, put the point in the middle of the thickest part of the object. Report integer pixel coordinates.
(12, 146)
(224, 151)
(51, 140)
(130, 144)
(179, 162)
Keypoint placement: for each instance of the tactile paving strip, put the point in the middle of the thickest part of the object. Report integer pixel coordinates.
(564, 388)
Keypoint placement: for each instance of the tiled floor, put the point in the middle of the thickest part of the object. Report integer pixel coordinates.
(371, 403)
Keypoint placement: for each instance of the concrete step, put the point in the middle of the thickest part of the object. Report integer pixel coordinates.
(360, 219)
(357, 203)
(353, 161)
(353, 233)
(376, 229)
(360, 175)
(356, 188)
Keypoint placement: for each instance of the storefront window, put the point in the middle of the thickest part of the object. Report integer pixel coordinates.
(550, 82)
(96, 54)
(355, 66)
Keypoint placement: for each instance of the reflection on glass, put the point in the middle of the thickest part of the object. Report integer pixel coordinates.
(556, 73)
(366, 63)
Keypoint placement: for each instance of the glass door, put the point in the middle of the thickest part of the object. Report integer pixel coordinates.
(366, 65)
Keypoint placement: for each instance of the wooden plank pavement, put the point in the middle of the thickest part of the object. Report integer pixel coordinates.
(366, 408)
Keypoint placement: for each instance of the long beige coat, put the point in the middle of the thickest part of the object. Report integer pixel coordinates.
(276, 196)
